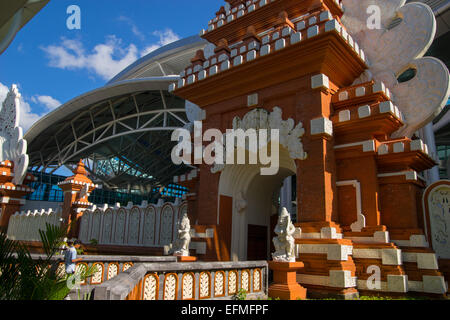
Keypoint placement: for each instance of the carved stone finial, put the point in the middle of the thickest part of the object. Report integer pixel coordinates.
(199, 57)
(222, 46)
(251, 34)
(80, 169)
(283, 20)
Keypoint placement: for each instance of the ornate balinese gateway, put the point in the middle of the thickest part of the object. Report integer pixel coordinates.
(328, 81)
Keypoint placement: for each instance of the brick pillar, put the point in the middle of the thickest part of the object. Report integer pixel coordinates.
(11, 195)
(77, 189)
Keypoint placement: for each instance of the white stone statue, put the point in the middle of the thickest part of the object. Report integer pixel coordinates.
(404, 34)
(12, 145)
(181, 245)
(241, 202)
(284, 241)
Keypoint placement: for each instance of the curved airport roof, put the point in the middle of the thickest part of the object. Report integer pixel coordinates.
(123, 128)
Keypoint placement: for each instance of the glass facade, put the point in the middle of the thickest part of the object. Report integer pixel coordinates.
(444, 157)
(46, 189)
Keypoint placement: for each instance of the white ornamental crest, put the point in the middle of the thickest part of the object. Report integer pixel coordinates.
(399, 43)
(12, 145)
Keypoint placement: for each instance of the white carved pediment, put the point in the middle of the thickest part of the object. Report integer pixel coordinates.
(289, 133)
(396, 47)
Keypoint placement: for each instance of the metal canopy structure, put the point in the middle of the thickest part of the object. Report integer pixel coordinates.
(126, 137)
(123, 130)
(14, 14)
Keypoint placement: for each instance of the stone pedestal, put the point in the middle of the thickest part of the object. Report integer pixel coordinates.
(285, 284)
(186, 259)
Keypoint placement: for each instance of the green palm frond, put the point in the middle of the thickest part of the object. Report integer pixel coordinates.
(22, 278)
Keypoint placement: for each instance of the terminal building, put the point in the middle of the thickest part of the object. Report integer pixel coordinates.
(362, 179)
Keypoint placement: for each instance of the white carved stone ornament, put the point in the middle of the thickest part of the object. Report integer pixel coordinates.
(284, 241)
(241, 202)
(289, 133)
(181, 245)
(439, 213)
(12, 145)
(406, 33)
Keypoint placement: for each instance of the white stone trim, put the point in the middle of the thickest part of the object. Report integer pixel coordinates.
(320, 81)
(360, 223)
(322, 125)
(409, 175)
(337, 252)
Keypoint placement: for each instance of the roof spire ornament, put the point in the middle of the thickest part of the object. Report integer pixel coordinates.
(12, 145)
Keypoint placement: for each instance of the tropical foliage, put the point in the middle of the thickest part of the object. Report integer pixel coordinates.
(25, 278)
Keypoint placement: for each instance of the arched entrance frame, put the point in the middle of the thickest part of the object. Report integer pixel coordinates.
(252, 198)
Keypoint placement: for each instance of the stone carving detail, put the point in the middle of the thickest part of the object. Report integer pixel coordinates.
(26, 225)
(149, 226)
(12, 145)
(232, 282)
(439, 212)
(245, 280)
(133, 226)
(107, 226)
(289, 133)
(127, 265)
(120, 226)
(166, 225)
(80, 268)
(392, 50)
(188, 286)
(84, 227)
(241, 202)
(170, 287)
(96, 219)
(256, 280)
(205, 285)
(181, 245)
(98, 276)
(113, 270)
(219, 279)
(150, 287)
(284, 241)
(61, 270)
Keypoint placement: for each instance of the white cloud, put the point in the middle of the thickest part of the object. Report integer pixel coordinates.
(71, 55)
(49, 102)
(165, 37)
(133, 26)
(26, 115)
(106, 59)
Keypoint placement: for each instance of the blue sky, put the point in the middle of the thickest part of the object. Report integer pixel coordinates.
(52, 64)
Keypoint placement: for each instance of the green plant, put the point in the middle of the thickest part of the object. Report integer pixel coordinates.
(23, 278)
(240, 295)
(93, 242)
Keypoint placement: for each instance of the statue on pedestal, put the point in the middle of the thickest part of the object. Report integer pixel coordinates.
(284, 242)
(181, 245)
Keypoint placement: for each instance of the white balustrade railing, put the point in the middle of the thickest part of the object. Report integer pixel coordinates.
(25, 226)
(134, 225)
